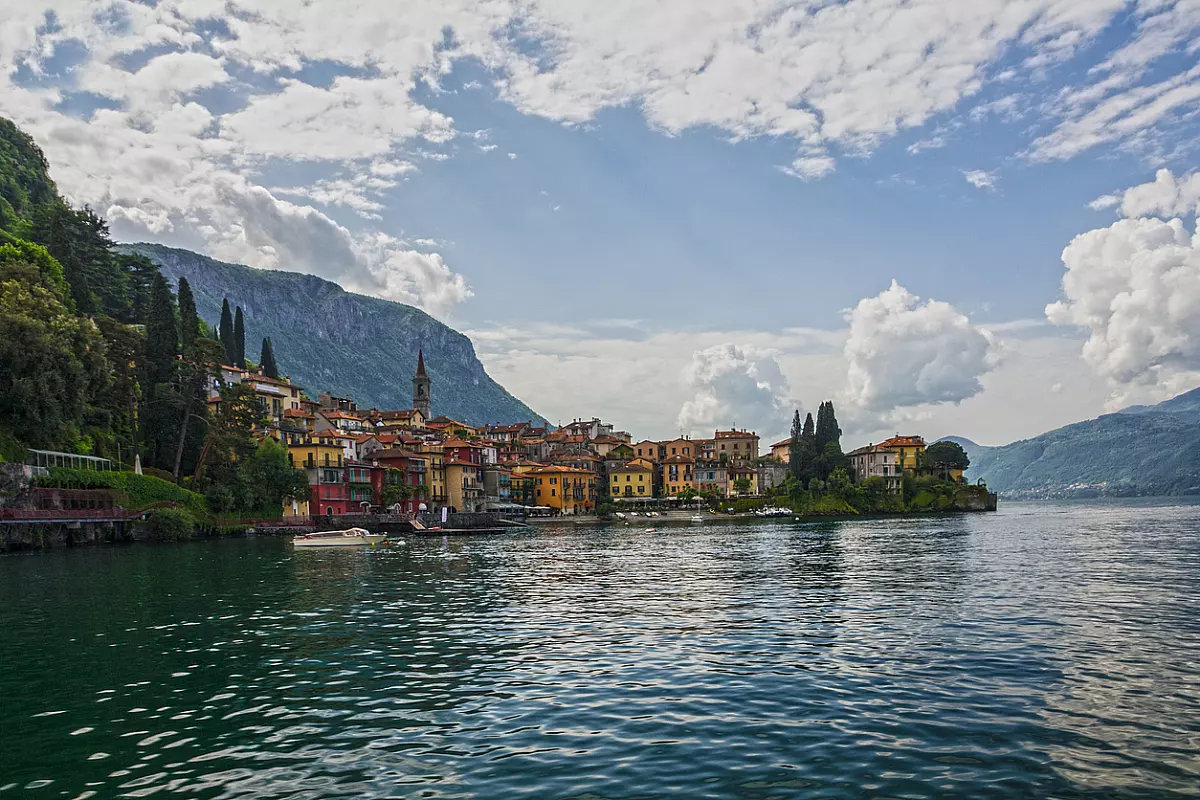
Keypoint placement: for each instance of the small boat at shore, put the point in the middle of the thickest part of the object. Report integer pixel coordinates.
(351, 537)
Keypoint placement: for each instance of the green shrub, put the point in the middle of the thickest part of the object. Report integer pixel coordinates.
(166, 525)
(830, 506)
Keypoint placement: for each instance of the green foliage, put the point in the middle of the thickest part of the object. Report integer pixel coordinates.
(189, 321)
(267, 360)
(138, 491)
(941, 457)
(24, 175)
(225, 331)
(52, 363)
(239, 338)
(395, 488)
(348, 343)
(166, 525)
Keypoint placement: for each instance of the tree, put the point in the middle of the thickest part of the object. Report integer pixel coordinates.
(225, 333)
(395, 488)
(267, 478)
(267, 360)
(942, 457)
(794, 447)
(742, 485)
(828, 441)
(189, 320)
(52, 363)
(239, 339)
(162, 336)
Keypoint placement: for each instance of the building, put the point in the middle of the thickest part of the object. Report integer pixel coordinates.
(406, 467)
(464, 484)
(743, 481)
(738, 447)
(564, 489)
(435, 476)
(677, 473)
(676, 447)
(331, 402)
(907, 449)
(781, 451)
(647, 449)
(876, 461)
(277, 395)
(634, 480)
(711, 476)
(421, 387)
(771, 475)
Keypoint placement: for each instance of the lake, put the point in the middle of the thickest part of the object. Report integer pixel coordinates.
(1049, 649)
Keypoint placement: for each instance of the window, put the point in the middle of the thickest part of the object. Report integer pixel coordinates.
(552, 492)
(722, 446)
(641, 490)
(553, 481)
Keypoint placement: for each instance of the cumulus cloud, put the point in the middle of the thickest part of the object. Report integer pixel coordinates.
(733, 385)
(980, 179)
(1135, 288)
(902, 352)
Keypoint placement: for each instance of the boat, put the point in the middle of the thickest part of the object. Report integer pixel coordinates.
(351, 537)
(697, 518)
(774, 511)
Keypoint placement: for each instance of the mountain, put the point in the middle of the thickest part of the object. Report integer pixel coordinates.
(328, 339)
(1140, 450)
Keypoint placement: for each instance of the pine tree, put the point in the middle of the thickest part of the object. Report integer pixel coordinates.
(239, 339)
(225, 333)
(828, 441)
(189, 320)
(267, 360)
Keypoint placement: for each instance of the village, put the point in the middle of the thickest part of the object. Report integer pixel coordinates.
(408, 461)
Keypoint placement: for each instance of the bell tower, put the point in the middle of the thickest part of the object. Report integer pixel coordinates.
(421, 387)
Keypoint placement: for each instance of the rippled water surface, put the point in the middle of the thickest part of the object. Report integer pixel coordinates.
(1048, 650)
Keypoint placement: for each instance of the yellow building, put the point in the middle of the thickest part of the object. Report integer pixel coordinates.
(907, 451)
(564, 489)
(677, 474)
(745, 477)
(313, 451)
(435, 476)
(782, 451)
(633, 480)
(738, 447)
(464, 485)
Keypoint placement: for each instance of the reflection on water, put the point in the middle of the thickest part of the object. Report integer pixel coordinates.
(1049, 650)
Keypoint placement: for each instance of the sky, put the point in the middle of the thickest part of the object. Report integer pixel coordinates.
(967, 217)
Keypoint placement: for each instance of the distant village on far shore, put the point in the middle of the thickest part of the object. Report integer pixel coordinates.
(351, 455)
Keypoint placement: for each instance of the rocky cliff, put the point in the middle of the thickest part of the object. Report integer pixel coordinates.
(328, 339)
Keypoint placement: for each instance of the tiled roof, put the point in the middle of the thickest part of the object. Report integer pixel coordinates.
(903, 441)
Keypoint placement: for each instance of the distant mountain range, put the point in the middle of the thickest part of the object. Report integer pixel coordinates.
(328, 339)
(1140, 450)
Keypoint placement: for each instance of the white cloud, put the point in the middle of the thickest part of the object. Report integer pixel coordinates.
(734, 385)
(902, 353)
(1104, 201)
(980, 179)
(1135, 287)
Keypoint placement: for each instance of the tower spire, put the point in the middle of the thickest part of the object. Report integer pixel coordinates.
(420, 362)
(421, 398)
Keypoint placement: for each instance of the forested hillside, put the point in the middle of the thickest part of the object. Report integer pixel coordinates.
(1142, 450)
(328, 339)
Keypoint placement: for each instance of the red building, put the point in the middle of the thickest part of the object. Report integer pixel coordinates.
(411, 466)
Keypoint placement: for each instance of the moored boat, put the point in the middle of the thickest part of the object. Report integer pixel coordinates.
(351, 537)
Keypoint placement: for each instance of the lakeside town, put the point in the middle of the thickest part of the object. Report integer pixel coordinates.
(363, 460)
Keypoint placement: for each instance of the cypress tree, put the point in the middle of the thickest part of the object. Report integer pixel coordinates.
(239, 339)
(808, 452)
(225, 333)
(162, 336)
(189, 320)
(267, 360)
(828, 441)
(794, 449)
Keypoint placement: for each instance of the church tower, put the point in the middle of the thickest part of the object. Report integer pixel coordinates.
(421, 387)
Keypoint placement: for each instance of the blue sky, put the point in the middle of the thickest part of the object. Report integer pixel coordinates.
(678, 216)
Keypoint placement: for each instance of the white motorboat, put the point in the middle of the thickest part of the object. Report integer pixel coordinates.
(352, 537)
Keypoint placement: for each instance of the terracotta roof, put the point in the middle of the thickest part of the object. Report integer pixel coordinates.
(403, 413)
(634, 466)
(460, 443)
(903, 441)
(782, 442)
(395, 452)
(297, 412)
(558, 468)
(329, 414)
(458, 462)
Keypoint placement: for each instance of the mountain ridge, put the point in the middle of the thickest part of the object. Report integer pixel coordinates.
(328, 339)
(1137, 451)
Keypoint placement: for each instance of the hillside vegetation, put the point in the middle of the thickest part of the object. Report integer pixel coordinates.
(1143, 450)
(328, 339)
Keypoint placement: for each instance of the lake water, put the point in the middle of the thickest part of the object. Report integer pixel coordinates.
(1047, 650)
